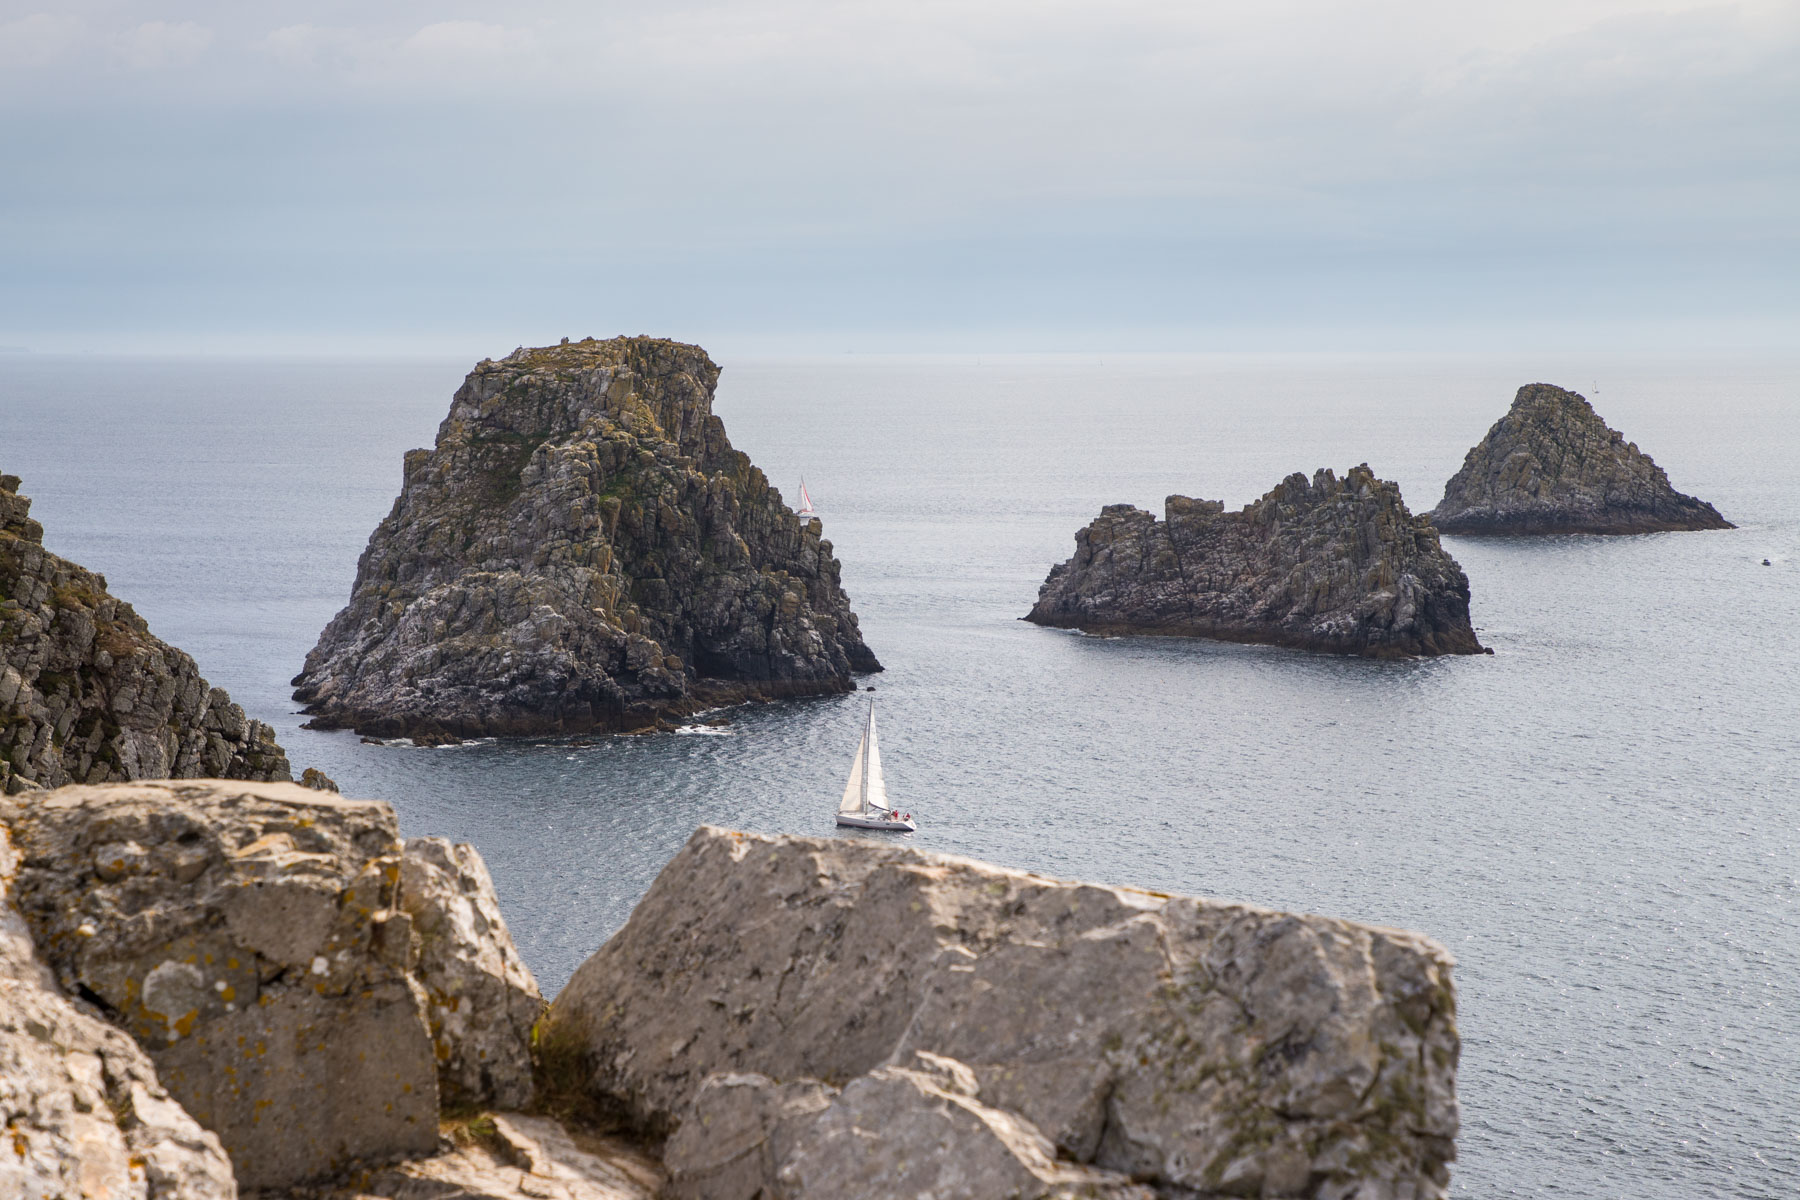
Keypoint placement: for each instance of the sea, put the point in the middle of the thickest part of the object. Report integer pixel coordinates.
(1599, 820)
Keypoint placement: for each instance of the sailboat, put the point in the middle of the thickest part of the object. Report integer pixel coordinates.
(806, 511)
(865, 802)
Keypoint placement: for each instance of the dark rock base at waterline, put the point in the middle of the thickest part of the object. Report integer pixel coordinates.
(1431, 644)
(647, 718)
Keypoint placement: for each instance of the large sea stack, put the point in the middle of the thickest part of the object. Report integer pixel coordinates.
(583, 550)
(1326, 564)
(1551, 465)
(89, 695)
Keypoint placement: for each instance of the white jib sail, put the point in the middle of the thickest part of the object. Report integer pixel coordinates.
(853, 791)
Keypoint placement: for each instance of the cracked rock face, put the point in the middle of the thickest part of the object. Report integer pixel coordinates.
(249, 936)
(582, 550)
(89, 695)
(1326, 564)
(772, 996)
(1551, 465)
(84, 1112)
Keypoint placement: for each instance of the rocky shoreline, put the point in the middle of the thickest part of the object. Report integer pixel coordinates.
(89, 695)
(1551, 466)
(583, 550)
(1339, 566)
(214, 988)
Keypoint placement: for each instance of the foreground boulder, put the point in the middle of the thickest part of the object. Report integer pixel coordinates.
(259, 943)
(84, 1113)
(89, 695)
(1551, 465)
(1333, 565)
(814, 1018)
(582, 550)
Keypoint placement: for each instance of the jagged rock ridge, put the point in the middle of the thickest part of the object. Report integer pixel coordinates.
(1327, 564)
(1551, 465)
(583, 549)
(89, 695)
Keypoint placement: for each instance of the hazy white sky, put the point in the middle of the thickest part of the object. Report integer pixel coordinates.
(799, 175)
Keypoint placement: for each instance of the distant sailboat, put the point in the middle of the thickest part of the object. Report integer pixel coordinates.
(806, 511)
(865, 802)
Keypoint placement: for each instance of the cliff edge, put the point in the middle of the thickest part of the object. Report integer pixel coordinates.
(582, 550)
(89, 695)
(1329, 564)
(819, 1018)
(1551, 465)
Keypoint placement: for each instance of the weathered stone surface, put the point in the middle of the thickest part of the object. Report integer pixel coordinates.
(250, 936)
(583, 549)
(894, 1132)
(482, 998)
(1330, 564)
(1551, 465)
(517, 1158)
(89, 695)
(81, 1105)
(1185, 1043)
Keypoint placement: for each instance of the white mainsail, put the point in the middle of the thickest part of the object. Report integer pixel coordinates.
(806, 507)
(866, 788)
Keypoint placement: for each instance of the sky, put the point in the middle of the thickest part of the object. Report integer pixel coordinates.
(799, 176)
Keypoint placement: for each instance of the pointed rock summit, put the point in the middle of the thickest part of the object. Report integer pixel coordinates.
(89, 695)
(582, 550)
(1551, 465)
(1333, 565)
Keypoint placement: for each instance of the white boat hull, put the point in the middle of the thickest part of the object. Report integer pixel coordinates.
(858, 821)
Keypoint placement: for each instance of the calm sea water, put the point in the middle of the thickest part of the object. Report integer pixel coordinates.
(1599, 821)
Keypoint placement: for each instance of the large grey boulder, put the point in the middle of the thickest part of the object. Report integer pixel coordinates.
(581, 549)
(89, 695)
(84, 1112)
(1551, 465)
(1180, 1042)
(481, 998)
(251, 938)
(1337, 565)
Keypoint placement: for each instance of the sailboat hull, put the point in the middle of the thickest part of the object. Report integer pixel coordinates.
(858, 821)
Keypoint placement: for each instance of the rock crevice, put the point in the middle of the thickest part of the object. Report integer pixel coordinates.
(1326, 564)
(582, 549)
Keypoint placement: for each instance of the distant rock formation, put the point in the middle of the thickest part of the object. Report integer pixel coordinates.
(89, 695)
(1551, 465)
(773, 999)
(1333, 565)
(582, 550)
(305, 985)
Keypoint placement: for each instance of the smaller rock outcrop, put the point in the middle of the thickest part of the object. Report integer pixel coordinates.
(258, 941)
(82, 1108)
(89, 695)
(1551, 465)
(1326, 564)
(773, 998)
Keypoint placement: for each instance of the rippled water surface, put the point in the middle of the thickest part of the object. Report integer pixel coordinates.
(1598, 820)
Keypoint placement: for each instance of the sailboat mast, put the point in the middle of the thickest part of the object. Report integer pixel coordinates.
(868, 738)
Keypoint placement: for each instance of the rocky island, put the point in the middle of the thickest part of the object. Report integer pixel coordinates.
(213, 988)
(1326, 564)
(1551, 465)
(89, 695)
(582, 550)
